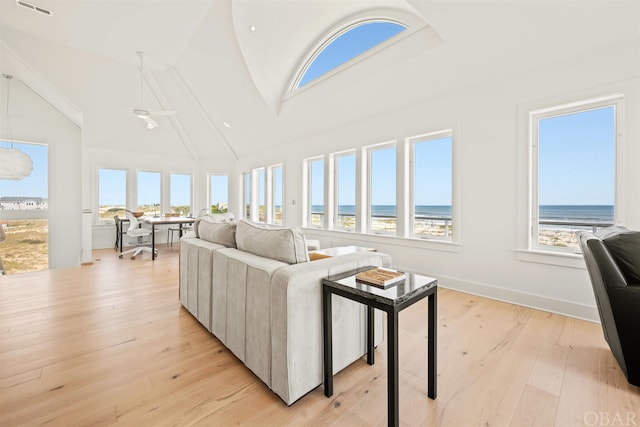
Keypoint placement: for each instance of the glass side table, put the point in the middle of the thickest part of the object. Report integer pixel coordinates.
(391, 300)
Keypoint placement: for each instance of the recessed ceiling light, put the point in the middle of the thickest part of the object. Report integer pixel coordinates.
(252, 28)
(227, 125)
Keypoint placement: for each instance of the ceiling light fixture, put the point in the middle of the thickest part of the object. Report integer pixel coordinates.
(227, 125)
(252, 28)
(14, 164)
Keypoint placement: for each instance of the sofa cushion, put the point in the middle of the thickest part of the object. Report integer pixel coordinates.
(286, 244)
(624, 246)
(222, 233)
(216, 218)
(220, 217)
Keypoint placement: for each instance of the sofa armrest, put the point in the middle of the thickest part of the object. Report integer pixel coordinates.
(625, 305)
(296, 323)
(196, 269)
(189, 235)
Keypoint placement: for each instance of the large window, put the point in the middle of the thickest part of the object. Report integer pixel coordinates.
(432, 185)
(315, 201)
(345, 191)
(246, 179)
(382, 189)
(345, 45)
(218, 193)
(277, 205)
(112, 193)
(573, 186)
(180, 193)
(24, 207)
(262, 211)
(150, 193)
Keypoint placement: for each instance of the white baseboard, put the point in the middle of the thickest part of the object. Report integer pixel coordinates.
(566, 308)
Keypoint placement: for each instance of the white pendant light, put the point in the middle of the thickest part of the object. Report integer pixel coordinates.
(14, 164)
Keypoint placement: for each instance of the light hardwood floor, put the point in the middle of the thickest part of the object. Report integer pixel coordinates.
(110, 344)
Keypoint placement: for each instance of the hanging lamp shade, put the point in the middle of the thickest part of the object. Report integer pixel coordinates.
(14, 164)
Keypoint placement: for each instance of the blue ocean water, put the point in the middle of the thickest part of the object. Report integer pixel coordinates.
(390, 210)
(581, 213)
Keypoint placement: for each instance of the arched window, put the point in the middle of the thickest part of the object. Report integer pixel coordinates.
(346, 44)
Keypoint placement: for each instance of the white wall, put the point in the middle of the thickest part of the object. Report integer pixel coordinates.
(491, 124)
(34, 120)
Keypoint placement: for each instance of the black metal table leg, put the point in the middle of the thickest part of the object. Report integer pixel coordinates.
(153, 241)
(121, 239)
(370, 335)
(393, 410)
(432, 330)
(328, 344)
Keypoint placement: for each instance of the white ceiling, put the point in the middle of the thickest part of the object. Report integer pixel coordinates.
(206, 64)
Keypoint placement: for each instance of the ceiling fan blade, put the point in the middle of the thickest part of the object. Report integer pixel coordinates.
(141, 113)
(162, 113)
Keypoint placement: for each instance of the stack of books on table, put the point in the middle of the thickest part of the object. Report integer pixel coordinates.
(380, 277)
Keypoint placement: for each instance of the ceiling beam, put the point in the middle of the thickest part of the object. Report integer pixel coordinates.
(193, 99)
(175, 122)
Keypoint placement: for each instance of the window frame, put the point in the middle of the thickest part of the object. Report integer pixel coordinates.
(335, 34)
(126, 193)
(210, 186)
(261, 192)
(272, 193)
(535, 116)
(336, 189)
(425, 138)
(137, 189)
(309, 193)
(368, 150)
(247, 187)
(190, 175)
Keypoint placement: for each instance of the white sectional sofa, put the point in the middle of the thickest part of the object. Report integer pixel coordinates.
(254, 288)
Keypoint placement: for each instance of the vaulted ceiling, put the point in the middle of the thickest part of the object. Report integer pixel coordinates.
(205, 62)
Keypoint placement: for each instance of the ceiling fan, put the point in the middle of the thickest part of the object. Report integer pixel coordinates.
(142, 112)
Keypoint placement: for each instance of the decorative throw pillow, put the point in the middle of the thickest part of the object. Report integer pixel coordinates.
(222, 233)
(624, 246)
(286, 244)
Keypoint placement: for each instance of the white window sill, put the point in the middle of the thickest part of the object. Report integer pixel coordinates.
(370, 239)
(552, 258)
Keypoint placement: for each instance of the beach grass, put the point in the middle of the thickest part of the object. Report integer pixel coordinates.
(26, 247)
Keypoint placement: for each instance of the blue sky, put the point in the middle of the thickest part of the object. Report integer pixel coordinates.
(383, 176)
(348, 46)
(433, 175)
(112, 185)
(34, 185)
(180, 189)
(433, 172)
(278, 186)
(219, 189)
(346, 167)
(577, 160)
